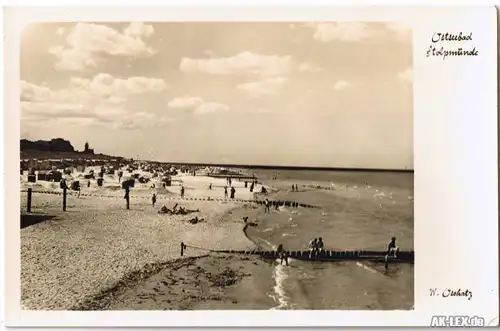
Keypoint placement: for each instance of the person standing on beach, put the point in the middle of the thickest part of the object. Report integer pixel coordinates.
(225, 192)
(283, 255)
(182, 192)
(266, 204)
(233, 191)
(153, 199)
(293, 187)
(251, 187)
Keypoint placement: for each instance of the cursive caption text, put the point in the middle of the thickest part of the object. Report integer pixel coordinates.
(449, 293)
(447, 44)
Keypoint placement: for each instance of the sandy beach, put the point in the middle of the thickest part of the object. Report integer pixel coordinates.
(98, 256)
(75, 254)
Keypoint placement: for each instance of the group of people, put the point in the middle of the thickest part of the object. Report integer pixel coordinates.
(252, 185)
(233, 192)
(316, 246)
(295, 188)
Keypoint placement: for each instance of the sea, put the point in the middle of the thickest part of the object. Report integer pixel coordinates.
(358, 210)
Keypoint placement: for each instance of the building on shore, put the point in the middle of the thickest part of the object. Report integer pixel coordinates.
(87, 149)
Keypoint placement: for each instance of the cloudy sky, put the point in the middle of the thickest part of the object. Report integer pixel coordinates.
(335, 94)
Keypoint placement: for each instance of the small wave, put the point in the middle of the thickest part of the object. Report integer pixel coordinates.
(289, 235)
(280, 275)
(364, 266)
(267, 230)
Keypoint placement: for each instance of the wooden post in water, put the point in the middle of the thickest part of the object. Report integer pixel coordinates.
(30, 193)
(65, 193)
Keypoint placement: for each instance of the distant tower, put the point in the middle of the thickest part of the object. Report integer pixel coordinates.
(86, 147)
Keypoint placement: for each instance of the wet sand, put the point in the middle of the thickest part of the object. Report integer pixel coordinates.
(216, 282)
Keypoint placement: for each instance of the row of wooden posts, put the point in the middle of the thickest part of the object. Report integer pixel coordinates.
(127, 199)
(65, 198)
(30, 198)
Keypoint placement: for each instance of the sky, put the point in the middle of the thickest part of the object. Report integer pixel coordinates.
(326, 94)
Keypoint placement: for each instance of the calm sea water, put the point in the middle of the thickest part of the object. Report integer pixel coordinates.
(363, 212)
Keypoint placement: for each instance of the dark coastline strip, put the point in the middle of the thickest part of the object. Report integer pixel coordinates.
(104, 298)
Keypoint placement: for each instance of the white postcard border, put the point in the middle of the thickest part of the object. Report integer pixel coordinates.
(455, 160)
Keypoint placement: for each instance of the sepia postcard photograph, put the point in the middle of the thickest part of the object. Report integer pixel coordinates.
(210, 165)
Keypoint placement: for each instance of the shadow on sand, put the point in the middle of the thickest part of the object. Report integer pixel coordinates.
(27, 219)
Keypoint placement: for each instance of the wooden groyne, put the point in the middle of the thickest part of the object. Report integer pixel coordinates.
(378, 256)
(273, 203)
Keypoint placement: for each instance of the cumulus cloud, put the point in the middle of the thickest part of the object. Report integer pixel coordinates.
(269, 86)
(60, 31)
(210, 107)
(406, 75)
(197, 105)
(140, 121)
(101, 99)
(139, 29)
(243, 63)
(400, 30)
(47, 109)
(105, 85)
(185, 102)
(342, 31)
(355, 31)
(88, 42)
(341, 85)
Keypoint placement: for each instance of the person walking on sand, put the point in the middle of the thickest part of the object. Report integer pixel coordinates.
(153, 199)
(210, 186)
(267, 206)
(182, 192)
(233, 191)
(225, 192)
(283, 255)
